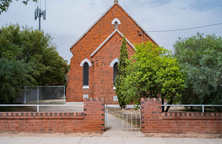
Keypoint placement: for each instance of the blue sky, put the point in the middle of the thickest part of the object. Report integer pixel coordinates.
(67, 20)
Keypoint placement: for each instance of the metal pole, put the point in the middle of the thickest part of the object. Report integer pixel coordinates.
(107, 116)
(37, 94)
(122, 119)
(127, 121)
(39, 20)
(37, 108)
(202, 108)
(64, 94)
(136, 120)
(131, 122)
(105, 119)
(25, 95)
(140, 117)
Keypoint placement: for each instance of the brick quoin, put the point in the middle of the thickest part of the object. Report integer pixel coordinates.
(153, 120)
(101, 74)
(91, 120)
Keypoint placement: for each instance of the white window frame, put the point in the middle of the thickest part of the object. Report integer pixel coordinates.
(85, 87)
(113, 62)
(85, 60)
(116, 20)
(81, 64)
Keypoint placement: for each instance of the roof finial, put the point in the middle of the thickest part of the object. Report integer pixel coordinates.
(115, 1)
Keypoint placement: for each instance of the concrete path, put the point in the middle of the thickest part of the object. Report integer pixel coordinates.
(105, 140)
(115, 130)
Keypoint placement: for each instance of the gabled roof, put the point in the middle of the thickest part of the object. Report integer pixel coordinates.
(108, 39)
(138, 25)
(83, 35)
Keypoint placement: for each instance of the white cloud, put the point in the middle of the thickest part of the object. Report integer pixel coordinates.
(68, 20)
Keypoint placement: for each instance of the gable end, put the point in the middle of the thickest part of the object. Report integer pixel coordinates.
(103, 15)
(108, 39)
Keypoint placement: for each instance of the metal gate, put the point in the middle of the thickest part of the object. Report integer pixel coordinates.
(106, 117)
(131, 120)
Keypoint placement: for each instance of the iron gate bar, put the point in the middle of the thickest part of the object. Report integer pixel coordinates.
(106, 117)
(129, 125)
(117, 106)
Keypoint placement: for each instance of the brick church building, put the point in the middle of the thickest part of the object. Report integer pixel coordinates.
(93, 66)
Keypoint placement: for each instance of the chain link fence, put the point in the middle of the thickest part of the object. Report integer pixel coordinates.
(42, 95)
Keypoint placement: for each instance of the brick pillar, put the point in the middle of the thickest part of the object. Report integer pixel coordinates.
(151, 115)
(94, 115)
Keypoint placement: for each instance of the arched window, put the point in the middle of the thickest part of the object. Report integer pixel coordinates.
(115, 72)
(115, 25)
(85, 74)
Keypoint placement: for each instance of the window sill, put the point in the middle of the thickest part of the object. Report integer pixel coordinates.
(114, 88)
(85, 87)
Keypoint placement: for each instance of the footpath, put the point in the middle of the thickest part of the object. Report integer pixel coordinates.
(114, 135)
(105, 140)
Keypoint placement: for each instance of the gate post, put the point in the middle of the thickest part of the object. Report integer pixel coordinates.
(151, 114)
(94, 114)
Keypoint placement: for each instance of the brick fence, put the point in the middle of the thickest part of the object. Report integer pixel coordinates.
(91, 120)
(153, 120)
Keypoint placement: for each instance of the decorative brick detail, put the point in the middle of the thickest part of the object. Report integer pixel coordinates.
(43, 115)
(91, 120)
(154, 121)
(191, 116)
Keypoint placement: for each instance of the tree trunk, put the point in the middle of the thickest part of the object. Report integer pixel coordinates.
(162, 104)
(168, 107)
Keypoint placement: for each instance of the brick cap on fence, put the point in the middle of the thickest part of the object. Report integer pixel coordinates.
(41, 115)
(151, 99)
(191, 115)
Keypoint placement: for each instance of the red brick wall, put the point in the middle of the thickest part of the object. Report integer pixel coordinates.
(103, 73)
(91, 120)
(154, 121)
(88, 44)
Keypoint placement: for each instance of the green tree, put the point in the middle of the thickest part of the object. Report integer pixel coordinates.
(35, 54)
(152, 71)
(4, 4)
(36, 48)
(122, 65)
(200, 58)
(12, 75)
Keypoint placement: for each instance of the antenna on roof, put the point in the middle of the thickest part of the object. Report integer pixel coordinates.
(40, 13)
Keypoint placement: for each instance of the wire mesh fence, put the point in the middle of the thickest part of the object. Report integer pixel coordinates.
(42, 95)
